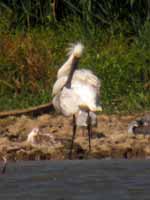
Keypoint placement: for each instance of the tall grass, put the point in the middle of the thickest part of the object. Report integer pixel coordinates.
(29, 61)
(30, 13)
(35, 33)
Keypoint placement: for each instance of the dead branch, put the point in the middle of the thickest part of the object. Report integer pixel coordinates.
(33, 111)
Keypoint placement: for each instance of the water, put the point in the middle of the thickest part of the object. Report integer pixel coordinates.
(75, 180)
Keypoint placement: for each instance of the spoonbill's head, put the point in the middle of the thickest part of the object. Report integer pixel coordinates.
(76, 49)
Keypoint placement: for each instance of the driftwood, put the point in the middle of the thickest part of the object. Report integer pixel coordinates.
(33, 111)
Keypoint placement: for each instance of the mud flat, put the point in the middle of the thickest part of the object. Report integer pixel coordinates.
(110, 139)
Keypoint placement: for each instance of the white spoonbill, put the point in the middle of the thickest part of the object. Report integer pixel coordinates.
(76, 93)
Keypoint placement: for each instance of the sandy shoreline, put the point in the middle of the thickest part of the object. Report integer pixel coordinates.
(110, 139)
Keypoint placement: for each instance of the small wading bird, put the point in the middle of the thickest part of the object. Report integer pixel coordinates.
(140, 125)
(37, 138)
(76, 93)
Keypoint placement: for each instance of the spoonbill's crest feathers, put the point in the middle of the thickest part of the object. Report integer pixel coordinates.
(76, 50)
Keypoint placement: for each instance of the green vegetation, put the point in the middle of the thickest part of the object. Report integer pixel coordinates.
(33, 43)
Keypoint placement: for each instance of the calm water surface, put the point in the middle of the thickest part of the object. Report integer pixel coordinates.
(73, 180)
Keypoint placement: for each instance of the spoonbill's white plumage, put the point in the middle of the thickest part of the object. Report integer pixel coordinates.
(76, 92)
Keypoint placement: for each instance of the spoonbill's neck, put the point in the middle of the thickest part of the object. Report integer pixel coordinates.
(73, 68)
(66, 68)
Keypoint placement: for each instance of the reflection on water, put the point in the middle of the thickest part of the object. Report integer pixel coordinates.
(73, 180)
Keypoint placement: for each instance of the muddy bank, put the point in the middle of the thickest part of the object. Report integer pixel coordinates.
(110, 139)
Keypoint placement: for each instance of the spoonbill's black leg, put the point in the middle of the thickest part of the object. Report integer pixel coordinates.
(89, 127)
(73, 136)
